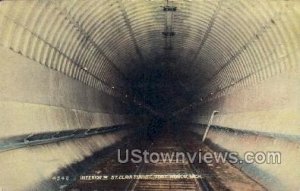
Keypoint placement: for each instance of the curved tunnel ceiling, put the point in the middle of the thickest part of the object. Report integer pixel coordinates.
(67, 66)
(112, 45)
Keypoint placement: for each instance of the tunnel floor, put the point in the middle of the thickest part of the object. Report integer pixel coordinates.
(163, 173)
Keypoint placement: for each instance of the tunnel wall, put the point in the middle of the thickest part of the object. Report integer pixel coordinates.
(36, 99)
(262, 117)
(56, 77)
(256, 92)
(268, 106)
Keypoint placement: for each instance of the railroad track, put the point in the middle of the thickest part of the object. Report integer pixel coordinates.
(181, 172)
(176, 174)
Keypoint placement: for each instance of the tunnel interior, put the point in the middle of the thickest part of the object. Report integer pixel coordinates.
(79, 79)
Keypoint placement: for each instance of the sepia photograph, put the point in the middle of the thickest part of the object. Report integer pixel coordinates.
(149, 95)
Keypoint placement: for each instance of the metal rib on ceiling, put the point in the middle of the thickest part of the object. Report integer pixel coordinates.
(222, 43)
